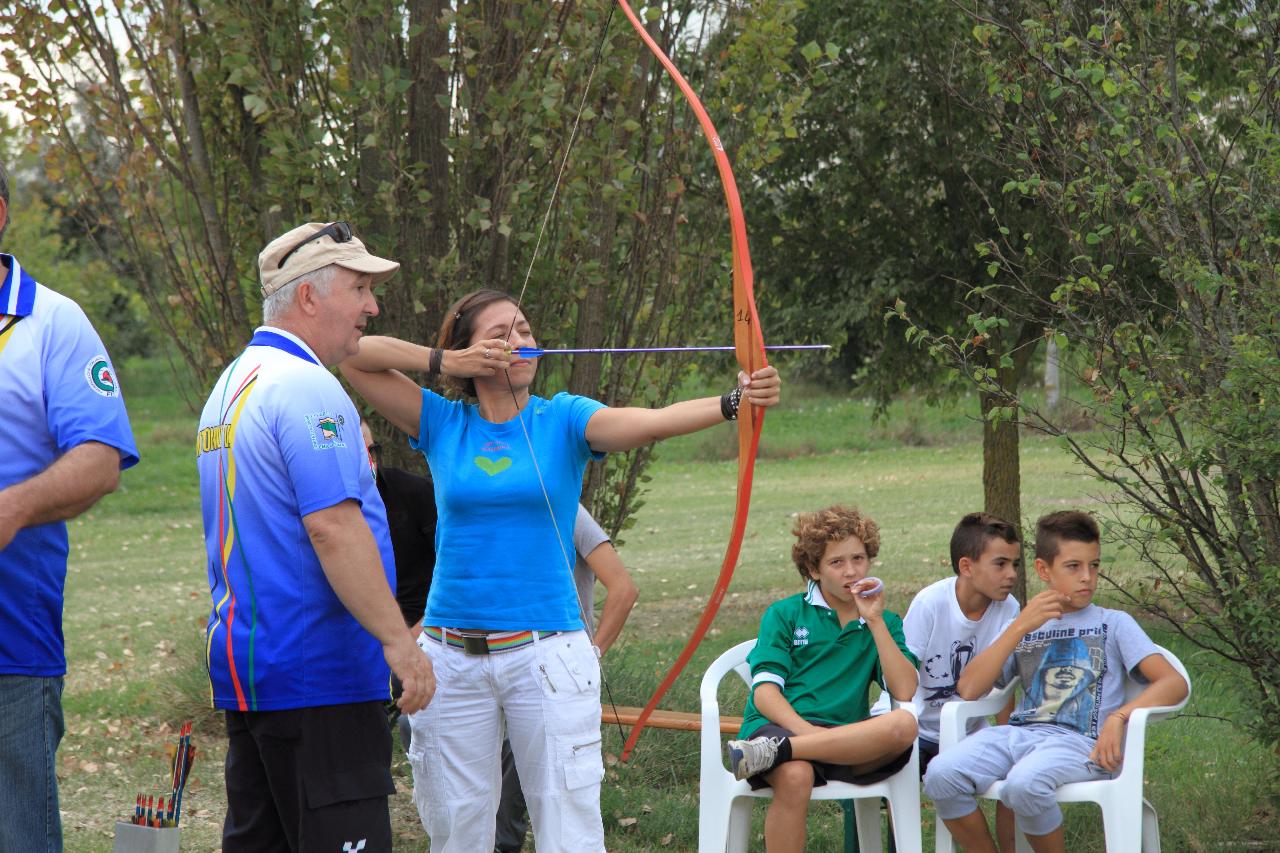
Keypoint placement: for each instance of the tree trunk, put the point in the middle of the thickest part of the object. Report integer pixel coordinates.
(1001, 463)
(1051, 389)
(420, 298)
(1001, 477)
(587, 370)
(372, 49)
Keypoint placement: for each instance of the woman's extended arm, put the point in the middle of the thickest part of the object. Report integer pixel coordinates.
(624, 429)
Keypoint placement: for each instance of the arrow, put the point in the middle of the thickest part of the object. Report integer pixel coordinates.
(535, 352)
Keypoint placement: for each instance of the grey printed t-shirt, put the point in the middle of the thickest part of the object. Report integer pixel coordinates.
(1073, 669)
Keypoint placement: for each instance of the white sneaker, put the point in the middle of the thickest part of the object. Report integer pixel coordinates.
(750, 757)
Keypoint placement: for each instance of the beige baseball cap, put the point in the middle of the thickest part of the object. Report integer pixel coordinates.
(310, 247)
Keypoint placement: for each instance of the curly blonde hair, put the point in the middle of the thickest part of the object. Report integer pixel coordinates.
(814, 531)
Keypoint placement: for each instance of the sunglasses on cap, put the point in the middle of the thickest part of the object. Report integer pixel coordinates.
(340, 232)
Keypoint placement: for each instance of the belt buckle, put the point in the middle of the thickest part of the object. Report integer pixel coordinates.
(475, 645)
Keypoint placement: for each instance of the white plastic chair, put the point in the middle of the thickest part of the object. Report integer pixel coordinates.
(1129, 821)
(724, 809)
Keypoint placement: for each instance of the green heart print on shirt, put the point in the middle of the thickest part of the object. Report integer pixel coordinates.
(493, 467)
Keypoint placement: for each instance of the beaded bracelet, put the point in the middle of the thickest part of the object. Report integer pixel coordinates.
(729, 403)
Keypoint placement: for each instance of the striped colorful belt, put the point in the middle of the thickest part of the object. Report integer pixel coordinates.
(486, 644)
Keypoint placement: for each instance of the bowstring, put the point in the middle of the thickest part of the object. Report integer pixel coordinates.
(587, 624)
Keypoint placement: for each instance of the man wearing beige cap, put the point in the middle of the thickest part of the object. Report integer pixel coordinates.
(304, 623)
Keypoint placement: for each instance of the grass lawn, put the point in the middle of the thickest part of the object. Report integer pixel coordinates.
(137, 600)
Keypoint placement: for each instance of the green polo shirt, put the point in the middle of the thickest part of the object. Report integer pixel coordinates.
(823, 670)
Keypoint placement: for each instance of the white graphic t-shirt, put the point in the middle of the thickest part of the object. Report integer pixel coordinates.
(945, 640)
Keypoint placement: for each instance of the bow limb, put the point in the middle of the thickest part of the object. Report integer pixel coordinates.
(749, 349)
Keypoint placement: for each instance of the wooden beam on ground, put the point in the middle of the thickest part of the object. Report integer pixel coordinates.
(683, 721)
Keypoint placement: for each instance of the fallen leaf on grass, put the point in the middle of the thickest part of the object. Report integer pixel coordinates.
(628, 821)
(666, 839)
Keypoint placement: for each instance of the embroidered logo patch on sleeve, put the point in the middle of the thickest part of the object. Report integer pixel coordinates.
(101, 378)
(326, 430)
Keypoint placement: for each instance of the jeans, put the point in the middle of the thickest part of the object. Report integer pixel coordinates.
(30, 728)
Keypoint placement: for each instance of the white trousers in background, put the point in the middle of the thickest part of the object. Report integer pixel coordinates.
(547, 695)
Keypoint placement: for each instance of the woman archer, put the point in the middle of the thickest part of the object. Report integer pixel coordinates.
(502, 627)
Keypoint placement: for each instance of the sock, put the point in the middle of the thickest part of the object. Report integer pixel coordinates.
(784, 752)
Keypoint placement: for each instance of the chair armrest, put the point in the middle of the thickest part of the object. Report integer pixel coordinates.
(1135, 737)
(1136, 730)
(1160, 712)
(710, 744)
(711, 720)
(954, 722)
(908, 705)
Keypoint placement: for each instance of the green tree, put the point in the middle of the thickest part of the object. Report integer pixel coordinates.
(41, 235)
(1149, 134)
(883, 199)
(198, 131)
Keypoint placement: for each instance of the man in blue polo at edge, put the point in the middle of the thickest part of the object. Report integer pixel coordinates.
(304, 623)
(66, 437)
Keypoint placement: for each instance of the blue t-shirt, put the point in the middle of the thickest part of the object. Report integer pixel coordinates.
(279, 439)
(59, 390)
(501, 564)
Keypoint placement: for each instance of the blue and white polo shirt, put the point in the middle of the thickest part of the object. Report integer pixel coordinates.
(278, 440)
(58, 390)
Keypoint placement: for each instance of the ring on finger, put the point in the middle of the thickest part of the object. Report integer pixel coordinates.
(487, 354)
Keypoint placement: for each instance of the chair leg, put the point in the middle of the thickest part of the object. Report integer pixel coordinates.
(868, 812)
(904, 812)
(1124, 834)
(714, 821)
(1150, 829)
(850, 828)
(739, 825)
(942, 842)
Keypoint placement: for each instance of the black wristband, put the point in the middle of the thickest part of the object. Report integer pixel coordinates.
(729, 403)
(435, 363)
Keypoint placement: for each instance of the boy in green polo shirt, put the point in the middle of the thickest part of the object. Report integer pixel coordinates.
(818, 651)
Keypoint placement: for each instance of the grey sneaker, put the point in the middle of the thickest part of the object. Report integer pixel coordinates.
(749, 757)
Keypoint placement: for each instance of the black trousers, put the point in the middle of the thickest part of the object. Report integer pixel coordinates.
(513, 823)
(308, 779)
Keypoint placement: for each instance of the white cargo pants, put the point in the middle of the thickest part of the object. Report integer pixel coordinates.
(547, 695)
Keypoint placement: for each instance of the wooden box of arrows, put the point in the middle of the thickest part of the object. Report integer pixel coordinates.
(145, 839)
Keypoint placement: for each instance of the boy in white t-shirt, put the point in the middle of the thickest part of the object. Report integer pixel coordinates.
(952, 620)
